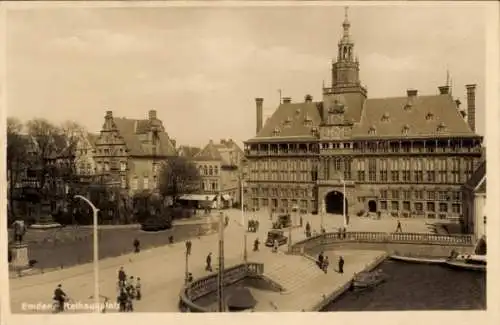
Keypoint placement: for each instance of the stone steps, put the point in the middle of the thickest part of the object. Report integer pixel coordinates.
(292, 272)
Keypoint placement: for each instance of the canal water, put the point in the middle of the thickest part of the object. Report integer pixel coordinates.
(418, 287)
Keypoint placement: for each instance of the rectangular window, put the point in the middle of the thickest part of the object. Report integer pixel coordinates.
(134, 183)
(123, 166)
(395, 205)
(395, 194)
(419, 207)
(431, 176)
(431, 195)
(443, 207)
(406, 205)
(457, 196)
(361, 175)
(395, 176)
(455, 208)
(383, 176)
(123, 181)
(383, 194)
(383, 205)
(431, 206)
(443, 195)
(406, 195)
(146, 183)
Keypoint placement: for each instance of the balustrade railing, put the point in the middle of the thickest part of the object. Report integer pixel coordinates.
(382, 237)
(205, 285)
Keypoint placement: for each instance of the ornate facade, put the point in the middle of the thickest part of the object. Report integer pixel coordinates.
(402, 156)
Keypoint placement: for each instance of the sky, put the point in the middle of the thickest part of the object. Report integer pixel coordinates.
(201, 68)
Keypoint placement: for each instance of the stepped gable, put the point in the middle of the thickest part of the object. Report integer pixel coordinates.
(427, 116)
(210, 152)
(291, 120)
(188, 151)
(130, 129)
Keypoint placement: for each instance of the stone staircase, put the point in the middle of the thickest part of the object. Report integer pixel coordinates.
(291, 272)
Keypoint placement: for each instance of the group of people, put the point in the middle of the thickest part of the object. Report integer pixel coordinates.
(128, 290)
(253, 225)
(323, 263)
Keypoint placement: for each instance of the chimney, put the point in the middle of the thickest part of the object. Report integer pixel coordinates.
(308, 98)
(109, 114)
(287, 100)
(152, 114)
(471, 106)
(411, 93)
(444, 90)
(258, 104)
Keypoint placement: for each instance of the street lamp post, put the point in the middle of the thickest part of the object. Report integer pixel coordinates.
(290, 236)
(96, 250)
(220, 291)
(186, 274)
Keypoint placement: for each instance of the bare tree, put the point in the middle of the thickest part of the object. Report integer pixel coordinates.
(17, 156)
(178, 176)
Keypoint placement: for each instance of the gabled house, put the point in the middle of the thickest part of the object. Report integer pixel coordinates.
(128, 152)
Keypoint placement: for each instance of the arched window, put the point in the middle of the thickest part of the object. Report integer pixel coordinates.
(210, 171)
(205, 170)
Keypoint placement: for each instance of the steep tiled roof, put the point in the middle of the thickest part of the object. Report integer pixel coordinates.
(187, 151)
(210, 152)
(130, 129)
(477, 177)
(291, 120)
(427, 116)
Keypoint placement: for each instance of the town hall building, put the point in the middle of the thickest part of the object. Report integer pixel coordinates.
(405, 156)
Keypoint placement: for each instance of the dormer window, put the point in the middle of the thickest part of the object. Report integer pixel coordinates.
(372, 130)
(441, 127)
(307, 121)
(406, 129)
(276, 132)
(385, 117)
(429, 116)
(314, 131)
(288, 122)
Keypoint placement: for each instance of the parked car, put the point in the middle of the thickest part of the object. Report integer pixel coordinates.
(278, 235)
(156, 224)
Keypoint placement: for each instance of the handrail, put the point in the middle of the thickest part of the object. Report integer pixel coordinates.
(382, 237)
(204, 285)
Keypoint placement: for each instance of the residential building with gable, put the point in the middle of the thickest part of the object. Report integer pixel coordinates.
(474, 205)
(129, 152)
(404, 156)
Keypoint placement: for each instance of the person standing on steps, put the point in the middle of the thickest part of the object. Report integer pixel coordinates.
(398, 227)
(341, 265)
(209, 262)
(325, 265)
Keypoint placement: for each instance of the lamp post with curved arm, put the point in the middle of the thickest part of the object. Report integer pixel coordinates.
(96, 250)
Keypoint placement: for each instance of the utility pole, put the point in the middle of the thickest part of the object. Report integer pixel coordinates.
(220, 284)
(244, 224)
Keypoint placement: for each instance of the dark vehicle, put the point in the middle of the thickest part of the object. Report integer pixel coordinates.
(276, 235)
(284, 221)
(156, 224)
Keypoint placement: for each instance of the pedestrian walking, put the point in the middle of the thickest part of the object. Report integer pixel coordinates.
(398, 227)
(138, 293)
(226, 221)
(308, 229)
(301, 221)
(256, 245)
(188, 247)
(326, 263)
(170, 239)
(136, 245)
(320, 260)
(122, 277)
(209, 262)
(275, 246)
(341, 265)
(344, 233)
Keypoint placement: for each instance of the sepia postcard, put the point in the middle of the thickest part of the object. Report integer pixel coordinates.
(286, 160)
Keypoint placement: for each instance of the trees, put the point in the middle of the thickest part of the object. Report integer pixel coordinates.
(17, 158)
(178, 176)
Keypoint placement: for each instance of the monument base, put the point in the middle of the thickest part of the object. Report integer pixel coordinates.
(20, 260)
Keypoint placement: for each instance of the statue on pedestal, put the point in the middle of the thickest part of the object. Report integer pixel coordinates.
(19, 230)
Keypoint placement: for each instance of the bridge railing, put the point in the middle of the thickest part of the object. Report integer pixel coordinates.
(382, 237)
(208, 284)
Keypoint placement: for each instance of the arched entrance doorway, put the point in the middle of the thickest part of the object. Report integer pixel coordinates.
(334, 203)
(372, 206)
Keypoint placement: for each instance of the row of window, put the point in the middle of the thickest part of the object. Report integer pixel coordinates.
(285, 176)
(293, 164)
(210, 186)
(433, 176)
(284, 203)
(418, 207)
(283, 192)
(422, 195)
(208, 170)
(140, 183)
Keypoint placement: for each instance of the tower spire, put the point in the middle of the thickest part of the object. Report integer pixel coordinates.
(346, 24)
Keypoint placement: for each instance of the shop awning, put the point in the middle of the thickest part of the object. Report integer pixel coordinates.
(226, 197)
(197, 197)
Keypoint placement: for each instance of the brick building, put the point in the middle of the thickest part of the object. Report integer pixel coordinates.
(403, 156)
(128, 152)
(219, 165)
